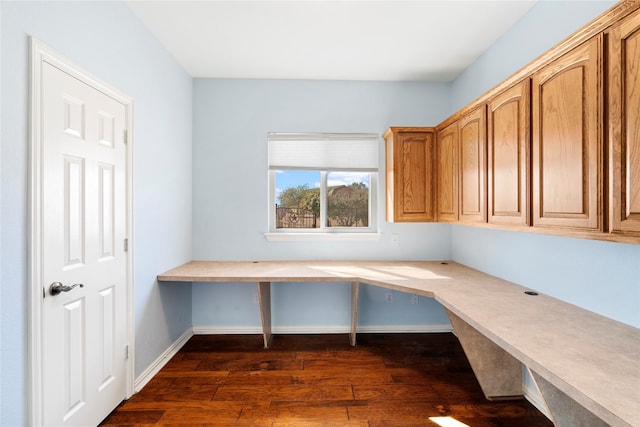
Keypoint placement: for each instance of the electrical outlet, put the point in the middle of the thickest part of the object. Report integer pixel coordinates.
(414, 299)
(255, 298)
(395, 239)
(388, 297)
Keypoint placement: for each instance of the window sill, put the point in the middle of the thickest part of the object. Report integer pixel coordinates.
(301, 237)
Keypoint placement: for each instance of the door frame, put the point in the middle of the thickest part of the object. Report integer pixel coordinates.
(40, 53)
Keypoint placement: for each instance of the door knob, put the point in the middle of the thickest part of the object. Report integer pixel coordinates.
(57, 288)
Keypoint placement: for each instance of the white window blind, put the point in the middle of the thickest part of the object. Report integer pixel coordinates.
(332, 152)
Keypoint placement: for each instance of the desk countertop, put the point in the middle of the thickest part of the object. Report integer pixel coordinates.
(591, 358)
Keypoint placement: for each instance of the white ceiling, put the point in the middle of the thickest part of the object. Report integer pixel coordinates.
(387, 40)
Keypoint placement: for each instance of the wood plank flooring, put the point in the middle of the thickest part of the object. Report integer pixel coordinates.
(319, 380)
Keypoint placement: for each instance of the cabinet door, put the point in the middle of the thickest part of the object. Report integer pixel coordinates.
(410, 192)
(508, 156)
(472, 167)
(447, 172)
(567, 140)
(624, 126)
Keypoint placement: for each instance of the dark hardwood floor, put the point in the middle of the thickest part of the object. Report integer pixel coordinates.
(319, 380)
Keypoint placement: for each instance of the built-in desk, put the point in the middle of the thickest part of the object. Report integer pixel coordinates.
(586, 366)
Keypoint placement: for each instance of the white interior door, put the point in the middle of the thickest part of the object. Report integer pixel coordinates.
(84, 228)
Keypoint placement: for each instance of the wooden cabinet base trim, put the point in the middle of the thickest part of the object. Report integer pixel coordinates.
(560, 232)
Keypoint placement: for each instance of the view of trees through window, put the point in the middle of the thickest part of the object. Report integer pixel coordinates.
(299, 200)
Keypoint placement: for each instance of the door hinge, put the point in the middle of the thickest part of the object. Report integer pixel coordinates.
(126, 136)
(126, 351)
(126, 245)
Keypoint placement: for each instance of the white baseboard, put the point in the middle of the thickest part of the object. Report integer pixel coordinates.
(226, 330)
(406, 329)
(155, 367)
(323, 329)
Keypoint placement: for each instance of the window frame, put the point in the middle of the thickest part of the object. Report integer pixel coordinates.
(323, 232)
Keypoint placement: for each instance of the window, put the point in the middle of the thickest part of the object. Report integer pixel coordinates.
(323, 183)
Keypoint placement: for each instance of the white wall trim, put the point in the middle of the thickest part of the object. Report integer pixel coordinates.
(227, 330)
(406, 329)
(322, 329)
(162, 360)
(41, 53)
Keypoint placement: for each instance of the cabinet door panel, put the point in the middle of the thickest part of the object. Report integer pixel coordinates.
(624, 126)
(561, 145)
(472, 166)
(567, 141)
(508, 156)
(447, 172)
(414, 158)
(410, 192)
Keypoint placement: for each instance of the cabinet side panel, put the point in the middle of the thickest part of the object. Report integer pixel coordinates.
(632, 123)
(447, 183)
(623, 78)
(390, 177)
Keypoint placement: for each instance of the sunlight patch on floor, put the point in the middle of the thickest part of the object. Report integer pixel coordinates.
(447, 422)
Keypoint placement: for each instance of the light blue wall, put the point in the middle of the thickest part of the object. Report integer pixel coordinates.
(107, 40)
(231, 122)
(600, 276)
(547, 23)
(603, 277)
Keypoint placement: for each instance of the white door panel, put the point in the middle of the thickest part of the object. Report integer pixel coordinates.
(84, 202)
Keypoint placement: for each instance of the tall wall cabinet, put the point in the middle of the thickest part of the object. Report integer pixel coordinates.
(461, 169)
(508, 152)
(623, 83)
(409, 157)
(447, 173)
(567, 140)
(472, 167)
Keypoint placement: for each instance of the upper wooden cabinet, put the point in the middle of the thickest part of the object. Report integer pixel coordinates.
(624, 126)
(555, 146)
(567, 140)
(508, 156)
(409, 164)
(447, 173)
(472, 166)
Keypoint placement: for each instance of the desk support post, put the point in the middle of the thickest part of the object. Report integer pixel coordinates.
(354, 312)
(264, 297)
(498, 373)
(565, 412)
